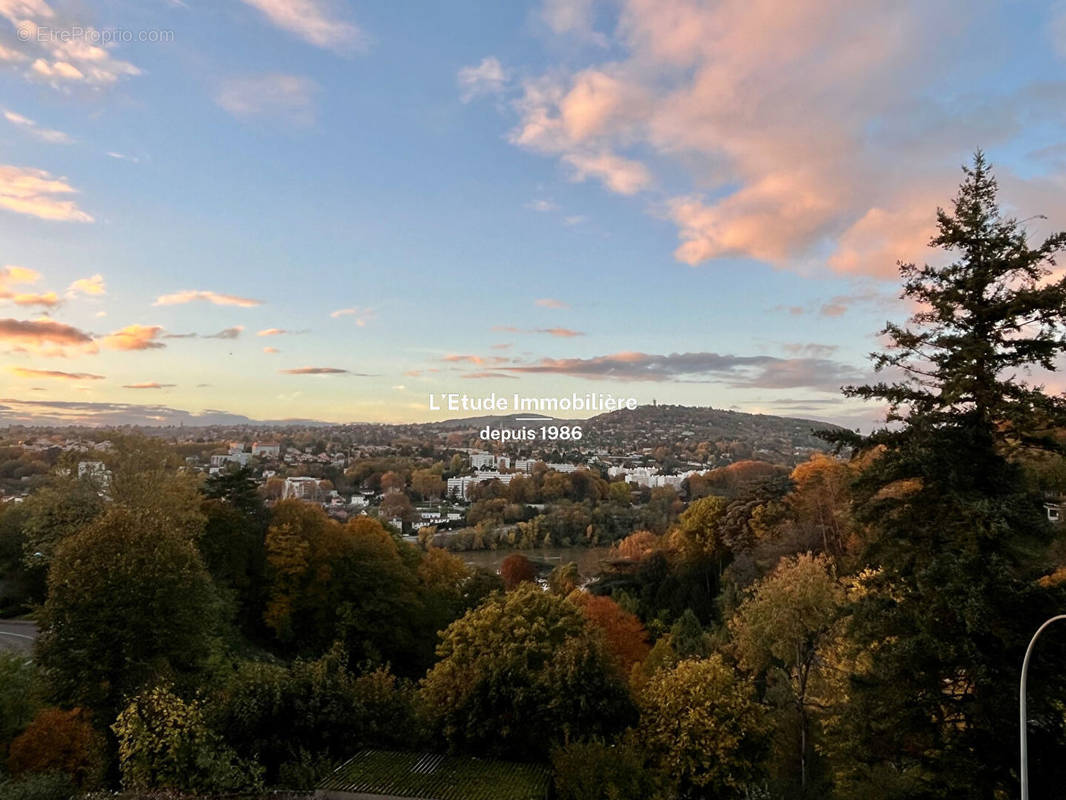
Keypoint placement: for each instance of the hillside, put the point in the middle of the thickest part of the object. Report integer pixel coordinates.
(685, 428)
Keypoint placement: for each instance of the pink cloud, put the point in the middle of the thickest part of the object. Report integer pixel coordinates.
(786, 118)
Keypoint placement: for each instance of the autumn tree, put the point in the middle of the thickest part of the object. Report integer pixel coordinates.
(778, 633)
(330, 581)
(955, 540)
(697, 535)
(427, 483)
(516, 569)
(637, 545)
(626, 638)
(60, 741)
(392, 482)
(703, 728)
(164, 742)
(522, 672)
(564, 579)
(397, 505)
(820, 502)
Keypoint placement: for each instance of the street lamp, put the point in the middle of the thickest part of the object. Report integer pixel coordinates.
(1023, 721)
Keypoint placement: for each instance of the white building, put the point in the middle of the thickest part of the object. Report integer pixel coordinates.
(231, 458)
(266, 449)
(300, 489)
(563, 467)
(460, 487)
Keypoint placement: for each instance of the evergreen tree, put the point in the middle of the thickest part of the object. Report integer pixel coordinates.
(955, 540)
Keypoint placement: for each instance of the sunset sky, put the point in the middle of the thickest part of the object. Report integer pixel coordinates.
(328, 210)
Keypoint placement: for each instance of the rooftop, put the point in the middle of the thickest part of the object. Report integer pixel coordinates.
(426, 776)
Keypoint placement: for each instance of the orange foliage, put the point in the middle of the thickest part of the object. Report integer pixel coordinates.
(626, 638)
(60, 741)
(637, 546)
(732, 479)
(515, 569)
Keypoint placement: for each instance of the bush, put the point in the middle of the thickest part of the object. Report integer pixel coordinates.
(18, 697)
(46, 786)
(598, 771)
(60, 742)
(296, 718)
(164, 743)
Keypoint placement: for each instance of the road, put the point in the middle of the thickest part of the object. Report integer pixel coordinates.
(17, 636)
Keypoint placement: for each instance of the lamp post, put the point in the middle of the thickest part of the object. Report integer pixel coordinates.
(1023, 720)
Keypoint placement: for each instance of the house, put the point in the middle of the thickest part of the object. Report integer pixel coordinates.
(1054, 510)
(219, 461)
(266, 449)
(303, 488)
(389, 775)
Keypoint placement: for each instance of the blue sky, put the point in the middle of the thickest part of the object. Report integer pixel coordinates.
(700, 202)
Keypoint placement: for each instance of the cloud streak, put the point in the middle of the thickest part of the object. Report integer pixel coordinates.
(762, 372)
(38, 193)
(26, 372)
(193, 295)
(316, 371)
(288, 98)
(315, 21)
(33, 129)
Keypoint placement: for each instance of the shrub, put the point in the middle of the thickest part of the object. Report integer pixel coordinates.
(18, 698)
(44, 786)
(598, 771)
(60, 742)
(164, 743)
(291, 719)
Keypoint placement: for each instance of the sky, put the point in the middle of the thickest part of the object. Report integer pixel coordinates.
(216, 210)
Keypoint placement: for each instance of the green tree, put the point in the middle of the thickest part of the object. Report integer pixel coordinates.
(688, 638)
(22, 579)
(128, 602)
(955, 542)
(309, 712)
(703, 729)
(520, 673)
(19, 697)
(57, 511)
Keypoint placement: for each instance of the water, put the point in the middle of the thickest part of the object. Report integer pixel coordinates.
(588, 559)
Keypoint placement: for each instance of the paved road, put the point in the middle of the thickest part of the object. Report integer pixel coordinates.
(17, 636)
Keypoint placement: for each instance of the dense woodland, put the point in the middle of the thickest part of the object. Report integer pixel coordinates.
(852, 627)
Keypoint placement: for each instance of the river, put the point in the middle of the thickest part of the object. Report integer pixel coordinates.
(588, 559)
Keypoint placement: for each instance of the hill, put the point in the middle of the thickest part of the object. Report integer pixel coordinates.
(734, 434)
